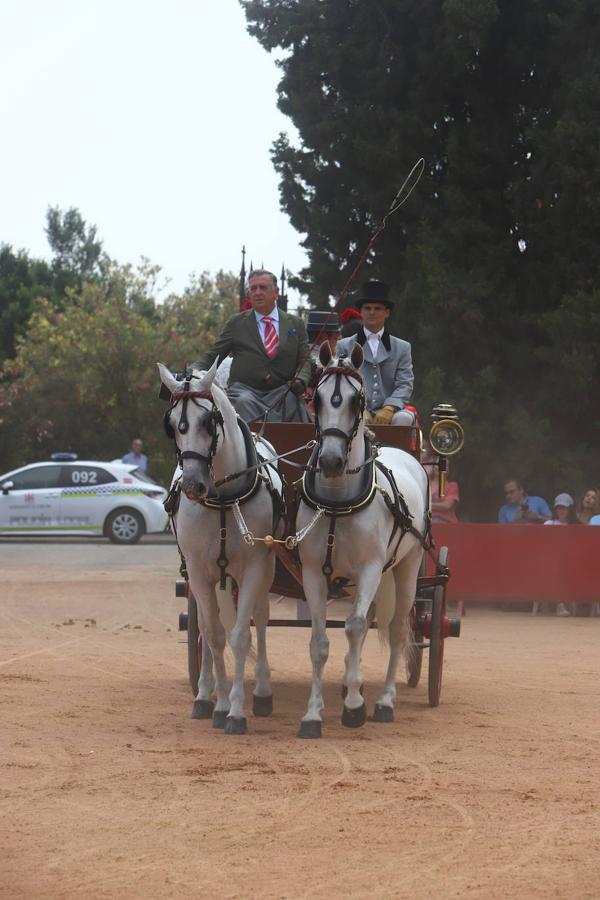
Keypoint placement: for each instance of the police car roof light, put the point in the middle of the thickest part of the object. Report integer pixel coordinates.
(63, 457)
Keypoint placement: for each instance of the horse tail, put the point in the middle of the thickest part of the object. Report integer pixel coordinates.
(386, 605)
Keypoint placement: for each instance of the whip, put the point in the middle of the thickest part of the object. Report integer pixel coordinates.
(402, 195)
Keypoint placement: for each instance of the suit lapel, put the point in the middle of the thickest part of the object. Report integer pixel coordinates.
(284, 324)
(255, 331)
(385, 346)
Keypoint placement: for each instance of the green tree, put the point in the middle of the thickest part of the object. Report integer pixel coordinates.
(84, 377)
(22, 279)
(77, 258)
(194, 320)
(493, 259)
(77, 254)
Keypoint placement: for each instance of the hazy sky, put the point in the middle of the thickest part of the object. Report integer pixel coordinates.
(154, 119)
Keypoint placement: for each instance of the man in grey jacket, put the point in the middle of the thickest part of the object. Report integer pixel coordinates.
(387, 368)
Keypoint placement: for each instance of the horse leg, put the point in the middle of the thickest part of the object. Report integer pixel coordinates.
(405, 579)
(355, 712)
(316, 593)
(262, 698)
(216, 638)
(251, 588)
(203, 704)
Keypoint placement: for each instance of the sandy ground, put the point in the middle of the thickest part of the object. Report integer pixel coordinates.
(109, 790)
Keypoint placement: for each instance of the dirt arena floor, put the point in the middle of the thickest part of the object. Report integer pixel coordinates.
(109, 790)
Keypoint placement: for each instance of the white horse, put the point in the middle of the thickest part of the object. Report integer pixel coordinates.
(212, 444)
(372, 533)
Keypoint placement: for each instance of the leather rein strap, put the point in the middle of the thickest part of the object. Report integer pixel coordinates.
(336, 402)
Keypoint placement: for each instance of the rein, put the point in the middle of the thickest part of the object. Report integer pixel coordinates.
(402, 520)
(217, 503)
(336, 401)
(216, 419)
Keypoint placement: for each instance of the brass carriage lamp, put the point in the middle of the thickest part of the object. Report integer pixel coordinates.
(446, 437)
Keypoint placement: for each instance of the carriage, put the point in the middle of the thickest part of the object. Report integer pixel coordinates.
(429, 619)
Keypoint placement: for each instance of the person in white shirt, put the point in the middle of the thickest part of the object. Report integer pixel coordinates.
(135, 457)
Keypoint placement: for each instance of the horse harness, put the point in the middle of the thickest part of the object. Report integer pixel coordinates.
(223, 504)
(394, 500)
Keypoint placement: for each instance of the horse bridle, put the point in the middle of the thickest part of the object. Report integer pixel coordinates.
(336, 401)
(215, 419)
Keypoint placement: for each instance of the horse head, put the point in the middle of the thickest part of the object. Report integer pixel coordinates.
(198, 417)
(339, 404)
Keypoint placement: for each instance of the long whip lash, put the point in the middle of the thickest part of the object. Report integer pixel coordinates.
(408, 186)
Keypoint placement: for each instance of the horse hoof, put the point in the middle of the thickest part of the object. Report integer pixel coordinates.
(345, 691)
(262, 706)
(219, 718)
(202, 709)
(354, 718)
(382, 713)
(309, 729)
(236, 726)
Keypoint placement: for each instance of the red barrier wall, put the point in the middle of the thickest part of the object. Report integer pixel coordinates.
(516, 563)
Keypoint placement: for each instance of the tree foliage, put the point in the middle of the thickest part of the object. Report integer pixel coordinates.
(84, 377)
(493, 259)
(77, 259)
(77, 253)
(22, 279)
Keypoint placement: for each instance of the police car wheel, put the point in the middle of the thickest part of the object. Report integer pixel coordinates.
(124, 526)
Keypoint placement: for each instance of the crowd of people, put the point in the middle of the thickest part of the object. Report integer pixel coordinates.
(522, 508)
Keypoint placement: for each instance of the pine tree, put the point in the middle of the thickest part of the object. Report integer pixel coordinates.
(492, 260)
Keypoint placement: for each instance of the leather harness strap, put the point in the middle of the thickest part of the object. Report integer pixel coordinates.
(172, 501)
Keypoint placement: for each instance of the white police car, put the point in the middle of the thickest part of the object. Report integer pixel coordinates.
(69, 496)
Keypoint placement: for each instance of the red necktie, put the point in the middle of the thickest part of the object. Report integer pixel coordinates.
(271, 341)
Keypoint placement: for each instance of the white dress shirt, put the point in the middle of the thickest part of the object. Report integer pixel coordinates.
(274, 317)
(374, 339)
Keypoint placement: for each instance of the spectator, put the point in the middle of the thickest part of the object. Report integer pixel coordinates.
(520, 508)
(563, 514)
(442, 510)
(135, 457)
(588, 506)
(563, 511)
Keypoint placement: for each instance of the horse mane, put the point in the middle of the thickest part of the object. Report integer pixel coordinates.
(225, 407)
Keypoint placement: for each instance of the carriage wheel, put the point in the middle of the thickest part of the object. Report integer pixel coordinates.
(414, 659)
(194, 644)
(436, 641)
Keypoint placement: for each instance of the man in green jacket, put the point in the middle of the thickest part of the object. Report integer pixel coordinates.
(270, 367)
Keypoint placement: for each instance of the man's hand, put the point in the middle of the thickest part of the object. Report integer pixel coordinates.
(384, 415)
(369, 418)
(297, 387)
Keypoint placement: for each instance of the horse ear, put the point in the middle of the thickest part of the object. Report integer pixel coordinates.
(356, 357)
(325, 354)
(168, 379)
(210, 375)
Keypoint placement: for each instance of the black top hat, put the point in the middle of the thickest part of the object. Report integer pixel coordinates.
(321, 320)
(375, 292)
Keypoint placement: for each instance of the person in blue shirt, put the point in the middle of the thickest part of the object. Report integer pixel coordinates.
(135, 457)
(595, 520)
(520, 508)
